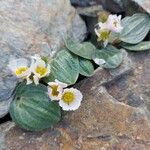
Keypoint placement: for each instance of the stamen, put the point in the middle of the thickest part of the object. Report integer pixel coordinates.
(54, 90)
(21, 70)
(104, 35)
(41, 70)
(68, 97)
(115, 23)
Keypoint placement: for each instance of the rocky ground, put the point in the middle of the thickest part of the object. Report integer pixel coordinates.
(115, 112)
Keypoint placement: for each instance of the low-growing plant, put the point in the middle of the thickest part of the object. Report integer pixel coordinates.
(44, 88)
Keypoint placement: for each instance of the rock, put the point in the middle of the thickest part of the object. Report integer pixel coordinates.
(129, 6)
(78, 30)
(91, 11)
(31, 27)
(135, 6)
(134, 100)
(2, 142)
(84, 3)
(4, 107)
(145, 4)
(5, 127)
(134, 88)
(90, 15)
(114, 6)
(102, 122)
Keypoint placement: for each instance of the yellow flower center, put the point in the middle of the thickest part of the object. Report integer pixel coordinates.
(41, 70)
(104, 35)
(54, 90)
(21, 70)
(68, 97)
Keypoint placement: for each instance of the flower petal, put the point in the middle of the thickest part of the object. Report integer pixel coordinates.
(105, 42)
(114, 23)
(63, 85)
(40, 65)
(99, 61)
(36, 79)
(96, 31)
(15, 63)
(76, 101)
(60, 87)
(29, 81)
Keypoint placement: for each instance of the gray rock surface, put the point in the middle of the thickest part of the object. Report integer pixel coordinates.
(117, 6)
(84, 3)
(29, 27)
(135, 6)
(134, 89)
(145, 4)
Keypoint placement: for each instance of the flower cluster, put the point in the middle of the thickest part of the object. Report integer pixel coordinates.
(69, 98)
(112, 24)
(32, 72)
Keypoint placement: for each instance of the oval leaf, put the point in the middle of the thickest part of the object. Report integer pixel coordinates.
(135, 28)
(85, 49)
(112, 57)
(138, 47)
(31, 108)
(65, 68)
(85, 67)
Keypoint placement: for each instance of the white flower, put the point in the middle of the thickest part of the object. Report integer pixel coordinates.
(114, 23)
(55, 89)
(39, 68)
(103, 35)
(19, 67)
(71, 99)
(99, 61)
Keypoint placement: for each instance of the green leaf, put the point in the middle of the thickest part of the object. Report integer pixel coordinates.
(85, 67)
(112, 56)
(135, 28)
(85, 49)
(138, 47)
(64, 67)
(31, 108)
